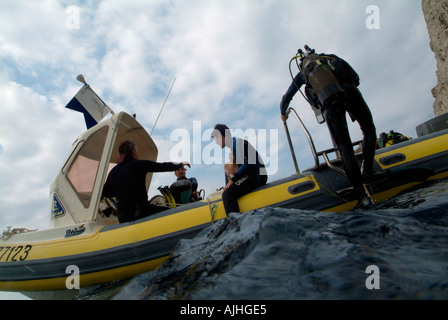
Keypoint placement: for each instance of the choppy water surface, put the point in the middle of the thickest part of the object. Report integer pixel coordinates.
(277, 253)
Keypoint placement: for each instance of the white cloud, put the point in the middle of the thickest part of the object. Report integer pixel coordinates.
(35, 137)
(229, 58)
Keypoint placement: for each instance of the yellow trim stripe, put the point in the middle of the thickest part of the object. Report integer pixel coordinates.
(274, 195)
(86, 280)
(417, 150)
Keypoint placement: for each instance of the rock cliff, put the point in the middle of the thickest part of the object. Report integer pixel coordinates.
(436, 17)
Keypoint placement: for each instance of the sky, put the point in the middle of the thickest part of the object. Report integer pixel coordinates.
(229, 61)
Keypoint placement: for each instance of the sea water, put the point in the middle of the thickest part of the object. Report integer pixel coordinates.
(394, 250)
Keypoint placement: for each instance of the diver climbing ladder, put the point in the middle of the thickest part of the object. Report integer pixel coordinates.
(316, 155)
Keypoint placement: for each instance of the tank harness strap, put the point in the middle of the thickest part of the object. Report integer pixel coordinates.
(317, 62)
(212, 209)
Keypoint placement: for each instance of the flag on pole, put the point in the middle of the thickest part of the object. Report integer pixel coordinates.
(87, 102)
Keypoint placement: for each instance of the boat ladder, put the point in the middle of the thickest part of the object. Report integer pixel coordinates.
(316, 155)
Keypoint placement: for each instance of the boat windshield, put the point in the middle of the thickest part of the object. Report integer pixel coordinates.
(84, 169)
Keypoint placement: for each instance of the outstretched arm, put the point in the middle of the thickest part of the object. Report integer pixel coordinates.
(287, 97)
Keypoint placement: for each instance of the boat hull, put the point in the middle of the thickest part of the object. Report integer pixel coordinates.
(38, 261)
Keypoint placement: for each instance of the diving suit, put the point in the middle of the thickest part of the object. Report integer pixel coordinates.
(331, 86)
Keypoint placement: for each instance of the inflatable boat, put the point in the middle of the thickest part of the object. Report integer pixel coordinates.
(84, 242)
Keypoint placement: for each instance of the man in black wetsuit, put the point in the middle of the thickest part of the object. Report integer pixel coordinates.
(249, 173)
(335, 116)
(126, 182)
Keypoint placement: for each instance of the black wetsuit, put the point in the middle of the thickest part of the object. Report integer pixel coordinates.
(337, 123)
(126, 182)
(251, 174)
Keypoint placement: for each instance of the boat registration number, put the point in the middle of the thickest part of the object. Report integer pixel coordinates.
(14, 253)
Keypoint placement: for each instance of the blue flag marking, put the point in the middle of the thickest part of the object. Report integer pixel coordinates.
(57, 209)
(74, 104)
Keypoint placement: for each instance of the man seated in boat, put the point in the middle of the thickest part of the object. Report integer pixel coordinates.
(184, 190)
(246, 172)
(126, 182)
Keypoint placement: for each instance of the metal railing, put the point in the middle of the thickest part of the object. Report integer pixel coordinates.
(316, 154)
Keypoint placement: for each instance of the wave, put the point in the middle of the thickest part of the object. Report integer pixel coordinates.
(278, 253)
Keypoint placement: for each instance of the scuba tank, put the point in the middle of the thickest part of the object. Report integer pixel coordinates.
(318, 73)
(181, 191)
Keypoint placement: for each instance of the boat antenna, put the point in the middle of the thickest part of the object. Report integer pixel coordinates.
(172, 85)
